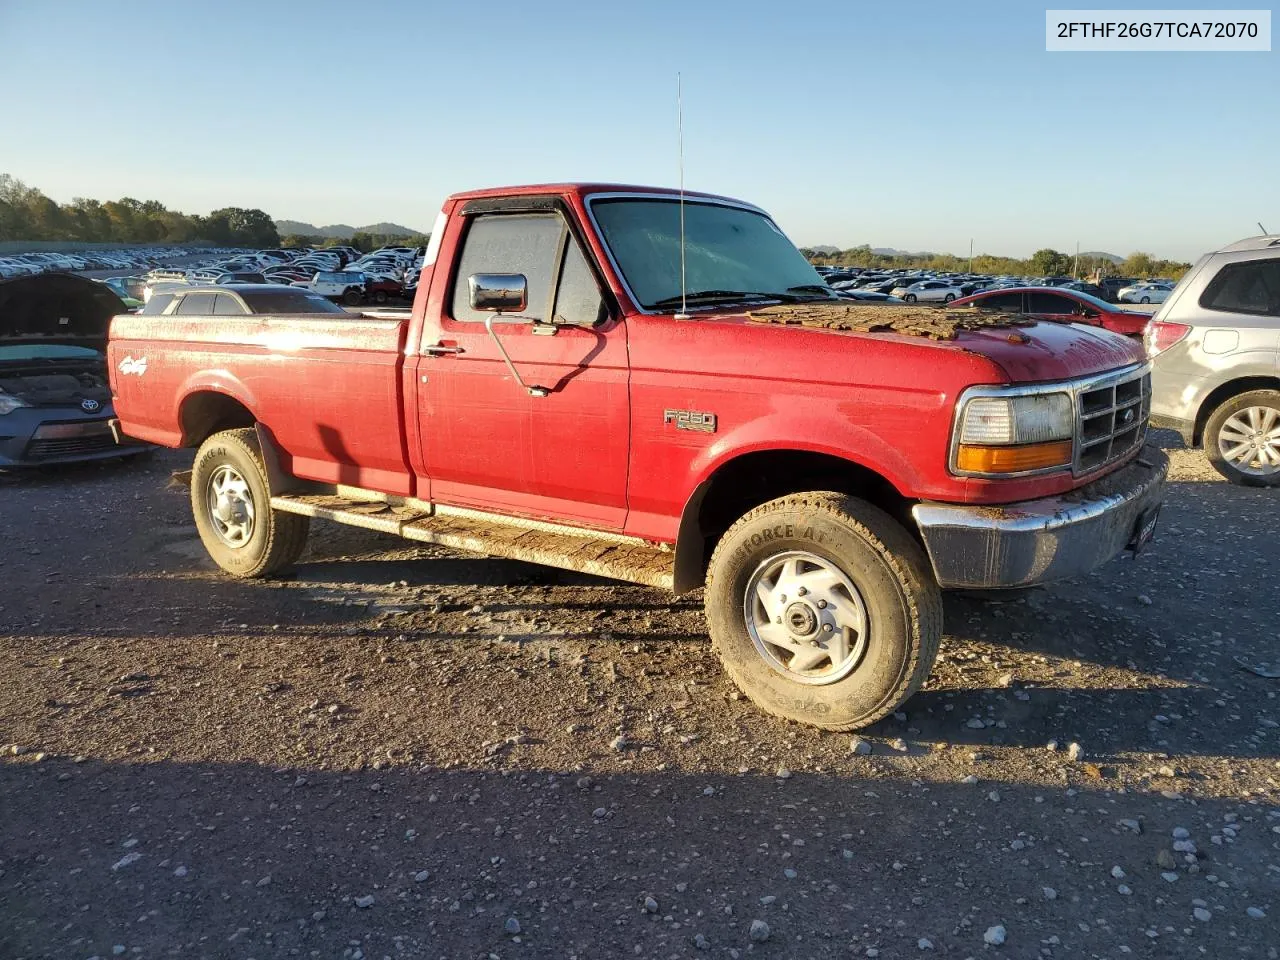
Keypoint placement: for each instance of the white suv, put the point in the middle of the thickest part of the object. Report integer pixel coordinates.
(1215, 373)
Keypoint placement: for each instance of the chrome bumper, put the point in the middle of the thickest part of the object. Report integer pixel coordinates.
(1021, 544)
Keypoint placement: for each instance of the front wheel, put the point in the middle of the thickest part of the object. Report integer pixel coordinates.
(910, 298)
(948, 298)
(1242, 439)
(823, 610)
(1145, 300)
(352, 296)
(232, 508)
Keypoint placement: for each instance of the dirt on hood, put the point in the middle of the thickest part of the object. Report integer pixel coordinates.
(930, 322)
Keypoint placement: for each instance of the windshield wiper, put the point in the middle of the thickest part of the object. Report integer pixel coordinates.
(708, 296)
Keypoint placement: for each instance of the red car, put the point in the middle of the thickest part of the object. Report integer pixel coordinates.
(557, 395)
(1064, 306)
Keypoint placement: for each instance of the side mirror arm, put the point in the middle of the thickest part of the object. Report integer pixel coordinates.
(534, 390)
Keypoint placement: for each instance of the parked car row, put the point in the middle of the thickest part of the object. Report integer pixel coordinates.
(942, 287)
(30, 264)
(340, 273)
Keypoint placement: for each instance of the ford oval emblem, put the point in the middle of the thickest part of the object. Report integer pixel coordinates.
(90, 406)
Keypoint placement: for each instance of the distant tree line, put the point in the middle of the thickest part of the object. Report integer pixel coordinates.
(361, 240)
(1046, 262)
(27, 214)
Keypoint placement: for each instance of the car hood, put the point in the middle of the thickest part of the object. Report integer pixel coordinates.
(57, 308)
(1027, 350)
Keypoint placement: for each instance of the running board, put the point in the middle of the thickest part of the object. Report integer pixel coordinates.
(601, 554)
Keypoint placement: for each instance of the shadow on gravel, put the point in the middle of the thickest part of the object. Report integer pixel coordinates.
(71, 474)
(201, 859)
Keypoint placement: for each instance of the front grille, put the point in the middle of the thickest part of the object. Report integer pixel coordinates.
(69, 447)
(1111, 419)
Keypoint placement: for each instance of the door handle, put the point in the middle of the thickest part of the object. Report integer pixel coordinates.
(440, 349)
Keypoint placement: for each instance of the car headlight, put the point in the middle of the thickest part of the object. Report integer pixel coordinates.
(10, 403)
(1003, 435)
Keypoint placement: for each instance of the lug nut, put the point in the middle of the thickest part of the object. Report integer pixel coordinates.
(827, 627)
(782, 598)
(822, 604)
(778, 621)
(801, 592)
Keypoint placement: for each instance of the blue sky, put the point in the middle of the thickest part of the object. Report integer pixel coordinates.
(904, 124)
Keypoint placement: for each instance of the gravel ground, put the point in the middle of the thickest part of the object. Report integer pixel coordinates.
(403, 752)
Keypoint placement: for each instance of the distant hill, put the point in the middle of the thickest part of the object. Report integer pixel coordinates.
(341, 231)
(894, 252)
(1105, 256)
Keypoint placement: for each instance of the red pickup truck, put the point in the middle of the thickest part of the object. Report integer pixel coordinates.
(659, 389)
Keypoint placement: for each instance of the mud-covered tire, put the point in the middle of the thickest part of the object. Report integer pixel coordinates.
(1261, 399)
(277, 539)
(890, 572)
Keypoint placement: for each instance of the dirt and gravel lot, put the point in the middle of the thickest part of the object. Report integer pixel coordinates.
(405, 753)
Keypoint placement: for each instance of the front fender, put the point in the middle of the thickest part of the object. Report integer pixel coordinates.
(821, 433)
(827, 435)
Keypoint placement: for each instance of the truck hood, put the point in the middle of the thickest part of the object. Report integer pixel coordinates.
(1027, 350)
(57, 308)
(1051, 351)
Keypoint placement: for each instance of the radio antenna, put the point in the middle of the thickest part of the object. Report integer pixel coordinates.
(1263, 229)
(684, 306)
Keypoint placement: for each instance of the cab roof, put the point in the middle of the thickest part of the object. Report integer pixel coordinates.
(580, 190)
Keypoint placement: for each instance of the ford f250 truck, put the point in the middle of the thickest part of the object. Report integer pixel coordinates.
(558, 395)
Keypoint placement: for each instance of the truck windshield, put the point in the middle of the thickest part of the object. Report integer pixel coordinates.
(727, 250)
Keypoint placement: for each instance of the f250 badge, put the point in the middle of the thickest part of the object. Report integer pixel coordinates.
(690, 420)
(131, 365)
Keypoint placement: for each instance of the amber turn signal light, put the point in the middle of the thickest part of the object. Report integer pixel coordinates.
(974, 458)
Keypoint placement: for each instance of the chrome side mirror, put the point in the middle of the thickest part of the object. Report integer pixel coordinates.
(498, 292)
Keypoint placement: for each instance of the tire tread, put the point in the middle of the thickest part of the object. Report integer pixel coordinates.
(905, 559)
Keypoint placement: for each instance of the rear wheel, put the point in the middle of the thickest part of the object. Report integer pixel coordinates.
(380, 297)
(232, 508)
(1145, 300)
(351, 296)
(1242, 439)
(948, 298)
(910, 298)
(823, 610)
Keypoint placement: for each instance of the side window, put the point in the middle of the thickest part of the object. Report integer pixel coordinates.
(200, 304)
(1051, 303)
(578, 300)
(513, 243)
(1005, 302)
(227, 305)
(1249, 287)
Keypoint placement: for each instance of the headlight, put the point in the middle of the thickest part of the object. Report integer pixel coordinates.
(999, 436)
(10, 403)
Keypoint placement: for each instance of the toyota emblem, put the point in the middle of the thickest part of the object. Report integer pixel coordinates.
(90, 406)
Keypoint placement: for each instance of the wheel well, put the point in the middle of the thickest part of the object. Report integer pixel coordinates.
(1224, 393)
(206, 413)
(755, 478)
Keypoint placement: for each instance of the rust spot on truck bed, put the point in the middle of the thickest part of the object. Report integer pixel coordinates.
(936, 324)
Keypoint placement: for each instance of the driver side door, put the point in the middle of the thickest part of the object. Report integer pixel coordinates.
(487, 442)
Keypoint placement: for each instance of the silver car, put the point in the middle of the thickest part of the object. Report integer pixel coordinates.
(1215, 349)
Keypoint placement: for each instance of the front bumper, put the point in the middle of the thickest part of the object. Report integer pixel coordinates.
(1022, 544)
(44, 436)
